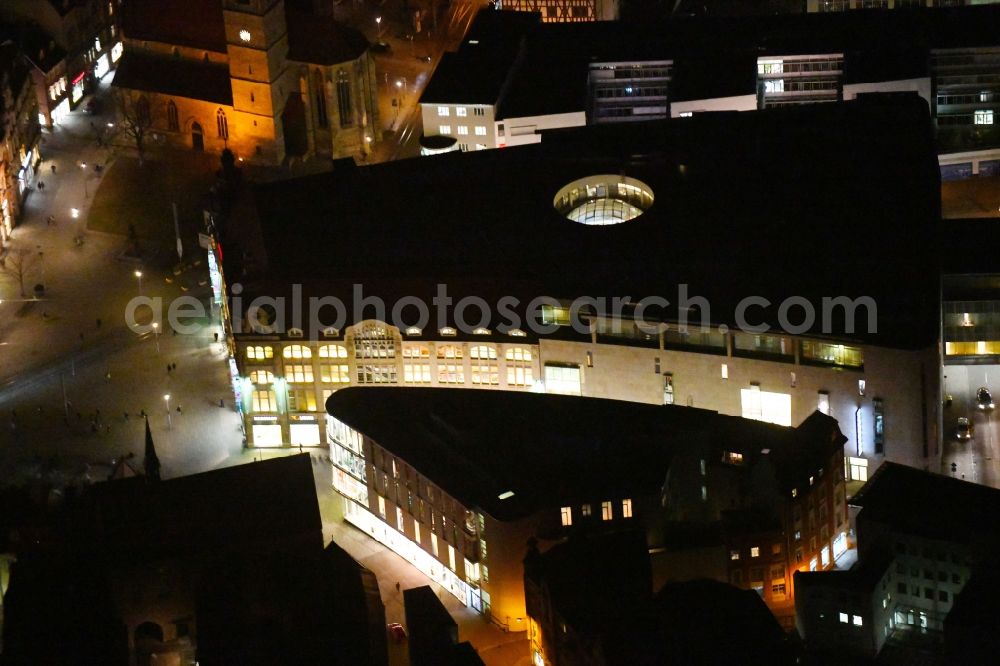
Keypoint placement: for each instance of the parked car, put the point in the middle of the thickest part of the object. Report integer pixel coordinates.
(963, 431)
(984, 400)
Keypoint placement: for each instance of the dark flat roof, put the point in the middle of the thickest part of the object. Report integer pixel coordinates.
(824, 200)
(263, 501)
(550, 450)
(931, 505)
(193, 79)
(713, 57)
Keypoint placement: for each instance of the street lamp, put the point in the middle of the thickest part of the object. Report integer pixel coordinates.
(138, 275)
(378, 25)
(86, 192)
(166, 397)
(156, 336)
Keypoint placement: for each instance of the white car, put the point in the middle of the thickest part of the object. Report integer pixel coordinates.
(963, 431)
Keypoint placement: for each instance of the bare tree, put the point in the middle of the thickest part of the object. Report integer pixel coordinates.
(16, 266)
(136, 117)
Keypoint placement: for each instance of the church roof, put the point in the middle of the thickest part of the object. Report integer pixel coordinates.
(194, 79)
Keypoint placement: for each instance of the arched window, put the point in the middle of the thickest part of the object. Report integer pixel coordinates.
(172, 123)
(333, 351)
(449, 351)
(222, 125)
(260, 353)
(519, 371)
(344, 99)
(262, 377)
(319, 92)
(142, 111)
(296, 351)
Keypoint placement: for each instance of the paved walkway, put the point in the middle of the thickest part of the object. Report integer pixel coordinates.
(75, 341)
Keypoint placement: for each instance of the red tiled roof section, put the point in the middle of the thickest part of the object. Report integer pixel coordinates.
(195, 23)
(321, 40)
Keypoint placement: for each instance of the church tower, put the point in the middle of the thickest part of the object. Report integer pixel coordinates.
(257, 45)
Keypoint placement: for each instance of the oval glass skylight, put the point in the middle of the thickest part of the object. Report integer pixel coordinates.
(603, 200)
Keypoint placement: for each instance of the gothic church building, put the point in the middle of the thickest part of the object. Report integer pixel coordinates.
(269, 82)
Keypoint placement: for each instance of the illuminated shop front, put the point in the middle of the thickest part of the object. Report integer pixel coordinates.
(78, 87)
(350, 480)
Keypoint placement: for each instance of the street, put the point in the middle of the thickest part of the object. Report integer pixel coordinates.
(975, 459)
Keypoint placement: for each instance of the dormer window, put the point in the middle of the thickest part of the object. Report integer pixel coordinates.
(448, 331)
(413, 330)
(295, 333)
(330, 332)
(481, 331)
(517, 333)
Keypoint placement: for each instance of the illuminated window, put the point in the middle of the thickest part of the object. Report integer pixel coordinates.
(245, 35)
(450, 373)
(844, 618)
(704, 493)
(222, 124)
(831, 354)
(462, 130)
(857, 469)
(299, 373)
(416, 351)
(554, 314)
(416, 373)
(567, 516)
(451, 557)
(448, 331)
(443, 111)
(399, 519)
(607, 512)
(984, 117)
(449, 352)
(302, 400)
(734, 555)
(754, 551)
(264, 401)
(416, 532)
(262, 377)
(260, 353)
(334, 373)
(484, 365)
(481, 331)
(517, 333)
(296, 351)
(374, 341)
(518, 361)
(626, 508)
(823, 402)
(377, 373)
(732, 458)
(381, 507)
(444, 129)
(585, 510)
(563, 379)
(725, 371)
(857, 620)
(332, 351)
(330, 332)
(766, 406)
(413, 330)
